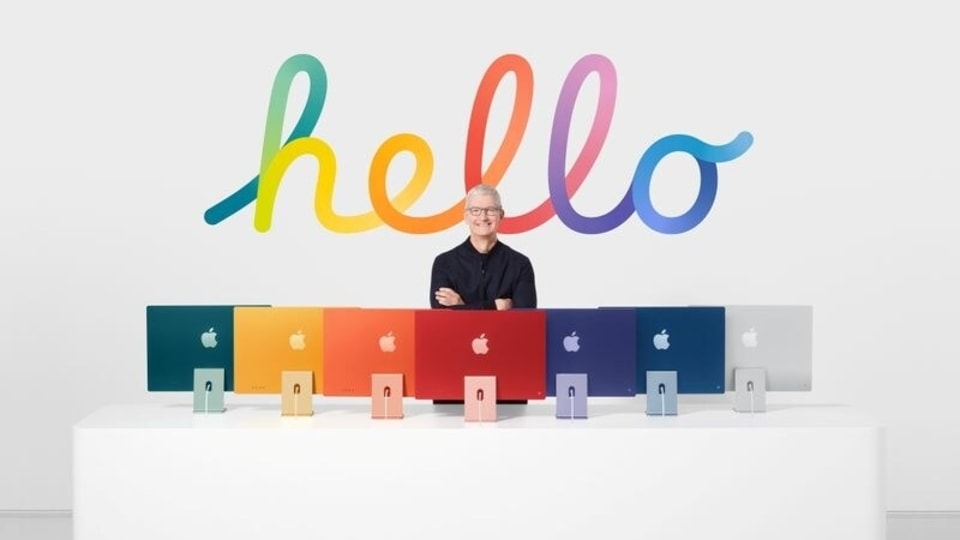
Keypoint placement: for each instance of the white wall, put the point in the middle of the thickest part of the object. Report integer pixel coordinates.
(120, 125)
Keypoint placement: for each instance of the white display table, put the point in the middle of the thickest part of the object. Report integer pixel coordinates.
(161, 472)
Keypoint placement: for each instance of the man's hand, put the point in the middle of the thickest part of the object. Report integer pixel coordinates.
(504, 303)
(447, 297)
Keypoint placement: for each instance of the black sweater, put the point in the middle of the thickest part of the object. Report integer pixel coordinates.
(481, 278)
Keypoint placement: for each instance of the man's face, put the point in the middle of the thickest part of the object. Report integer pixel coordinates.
(482, 215)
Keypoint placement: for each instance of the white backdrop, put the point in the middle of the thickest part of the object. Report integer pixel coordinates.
(120, 125)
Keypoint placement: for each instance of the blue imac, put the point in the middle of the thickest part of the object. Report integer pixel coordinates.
(689, 340)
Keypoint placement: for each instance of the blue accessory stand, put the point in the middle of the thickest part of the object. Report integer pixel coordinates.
(662, 393)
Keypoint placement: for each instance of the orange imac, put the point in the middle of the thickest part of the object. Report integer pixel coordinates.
(359, 342)
(270, 340)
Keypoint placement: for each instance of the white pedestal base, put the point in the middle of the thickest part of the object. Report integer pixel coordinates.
(160, 472)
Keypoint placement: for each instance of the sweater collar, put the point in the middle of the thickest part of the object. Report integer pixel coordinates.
(468, 246)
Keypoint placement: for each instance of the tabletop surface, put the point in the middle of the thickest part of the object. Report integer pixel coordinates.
(356, 414)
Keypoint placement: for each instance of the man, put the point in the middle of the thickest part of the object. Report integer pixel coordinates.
(482, 272)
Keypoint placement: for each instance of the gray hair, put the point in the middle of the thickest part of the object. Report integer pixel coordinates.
(483, 189)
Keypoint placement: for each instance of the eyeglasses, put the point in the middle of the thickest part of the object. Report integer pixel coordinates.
(491, 211)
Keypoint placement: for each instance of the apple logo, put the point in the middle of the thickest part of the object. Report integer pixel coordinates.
(480, 344)
(749, 338)
(662, 340)
(388, 342)
(572, 342)
(298, 341)
(209, 339)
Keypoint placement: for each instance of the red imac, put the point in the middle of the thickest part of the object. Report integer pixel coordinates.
(453, 344)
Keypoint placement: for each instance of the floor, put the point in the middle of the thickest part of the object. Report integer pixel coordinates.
(901, 526)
